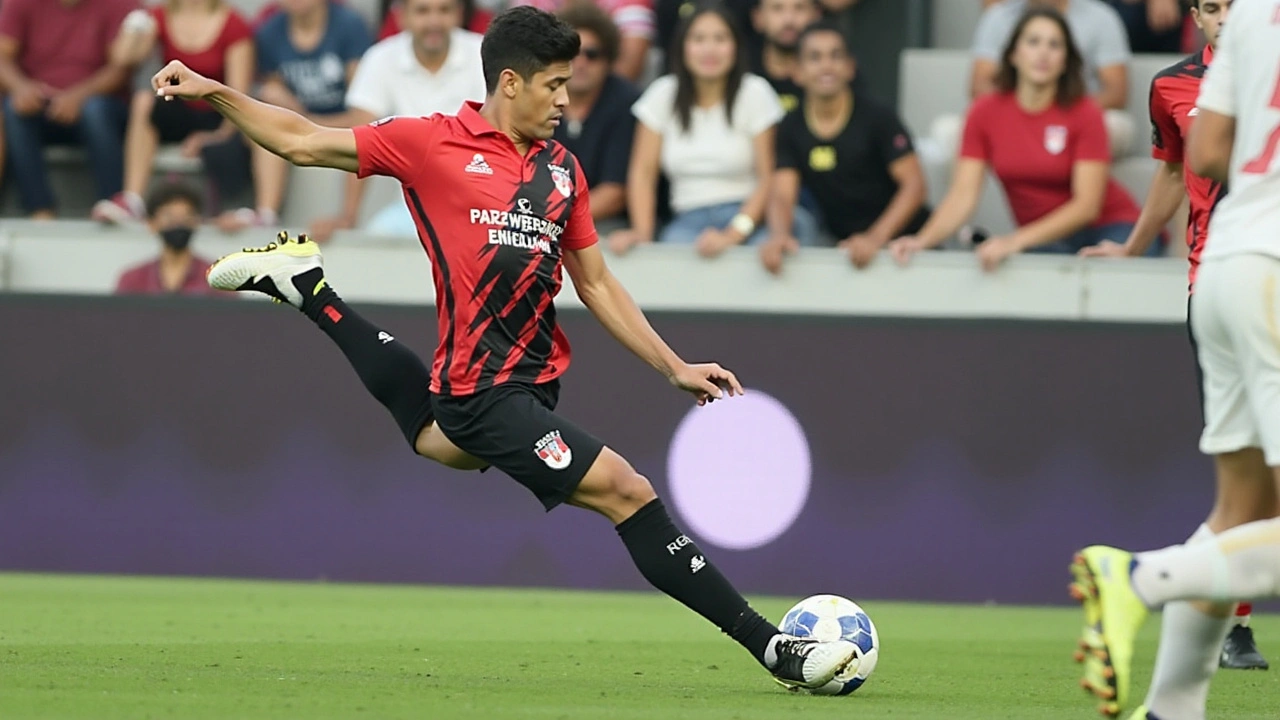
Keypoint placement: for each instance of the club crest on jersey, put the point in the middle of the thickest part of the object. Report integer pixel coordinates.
(560, 177)
(1055, 139)
(553, 451)
(478, 165)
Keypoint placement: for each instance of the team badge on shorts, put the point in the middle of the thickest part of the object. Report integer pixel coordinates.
(560, 177)
(1055, 139)
(554, 451)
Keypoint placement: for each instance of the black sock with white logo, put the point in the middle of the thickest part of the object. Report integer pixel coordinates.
(390, 371)
(672, 563)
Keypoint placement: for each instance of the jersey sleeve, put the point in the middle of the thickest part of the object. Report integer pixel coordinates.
(757, 107)
(369, 90)
(580, 231)
(1166, 138)
(1091, 143)
(892, 139)
(236, 29)
(975, 142)
(786, 154)
(1218, 91)
(394, 146)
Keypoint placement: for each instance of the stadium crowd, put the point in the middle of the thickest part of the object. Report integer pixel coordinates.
(757, 131)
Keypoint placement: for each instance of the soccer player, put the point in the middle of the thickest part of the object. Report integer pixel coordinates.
(1173, 107)
(1234, 139)
(500, 208)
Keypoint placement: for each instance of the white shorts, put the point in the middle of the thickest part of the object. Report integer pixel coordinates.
(1235, 318)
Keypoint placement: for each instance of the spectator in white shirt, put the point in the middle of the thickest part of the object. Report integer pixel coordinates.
(433, 66)
(709, 126)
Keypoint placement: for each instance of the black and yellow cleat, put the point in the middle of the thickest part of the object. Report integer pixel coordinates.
(270, 270)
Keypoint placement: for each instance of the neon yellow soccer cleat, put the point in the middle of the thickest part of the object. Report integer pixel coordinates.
(1113, 615)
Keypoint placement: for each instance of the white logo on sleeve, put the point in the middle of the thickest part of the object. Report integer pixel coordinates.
(696, 564)
(385, 337)
(478, 165)
(554, 451)
(674, 546)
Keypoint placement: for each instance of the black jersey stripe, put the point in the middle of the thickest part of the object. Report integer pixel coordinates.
(449, 305)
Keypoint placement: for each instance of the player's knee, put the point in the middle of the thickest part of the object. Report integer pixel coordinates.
(633, 491)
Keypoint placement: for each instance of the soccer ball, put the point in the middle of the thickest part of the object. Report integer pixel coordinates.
(831, 617)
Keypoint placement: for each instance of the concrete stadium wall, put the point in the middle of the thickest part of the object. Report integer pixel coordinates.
(953, 461)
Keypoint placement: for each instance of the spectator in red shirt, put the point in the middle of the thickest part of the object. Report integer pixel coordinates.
(209, 36)
(1047, 145)
(62, 89)
(173, 214)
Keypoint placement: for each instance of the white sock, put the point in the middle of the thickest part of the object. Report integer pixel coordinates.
(1242, 563)
(1190, 643)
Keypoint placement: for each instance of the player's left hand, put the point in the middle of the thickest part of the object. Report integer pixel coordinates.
(995, 251)
(707, 382)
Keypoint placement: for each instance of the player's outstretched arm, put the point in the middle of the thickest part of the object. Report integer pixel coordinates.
(613, 306)
(283, 132)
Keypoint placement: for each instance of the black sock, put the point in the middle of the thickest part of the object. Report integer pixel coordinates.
(390, 371)
(671, 562)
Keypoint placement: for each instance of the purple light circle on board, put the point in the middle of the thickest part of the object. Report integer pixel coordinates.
(739, 471)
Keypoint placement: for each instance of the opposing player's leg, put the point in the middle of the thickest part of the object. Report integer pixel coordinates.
(513, 427)
(1242, 389)
(1241, 651)
(291, 270)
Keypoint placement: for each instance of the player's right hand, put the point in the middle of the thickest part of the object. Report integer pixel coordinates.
(176, 80)
(1106, 248)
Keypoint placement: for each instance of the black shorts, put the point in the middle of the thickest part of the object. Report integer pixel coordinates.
(1195, 356)
(514, 428)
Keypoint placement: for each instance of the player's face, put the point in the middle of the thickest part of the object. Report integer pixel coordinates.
(709, 48)
(825, 68)
(1041, 53)
(541, 101)
(1211, 16)
(430, 22)
(591, 67)
(780, 21)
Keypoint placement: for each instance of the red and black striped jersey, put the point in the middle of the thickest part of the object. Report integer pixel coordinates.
(1174, 92)
(494, 224)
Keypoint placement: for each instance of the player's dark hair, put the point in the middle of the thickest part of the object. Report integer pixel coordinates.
(525, 40)
(173, 192)
(589, 17)
(686, 92)
(1071, 86)
(822, 26)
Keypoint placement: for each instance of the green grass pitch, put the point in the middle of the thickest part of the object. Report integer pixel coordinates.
(117, 647)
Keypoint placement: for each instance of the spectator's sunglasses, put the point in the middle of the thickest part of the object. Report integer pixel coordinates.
(591, 53)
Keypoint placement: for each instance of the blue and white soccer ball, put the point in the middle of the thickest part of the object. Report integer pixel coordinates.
(831, 617)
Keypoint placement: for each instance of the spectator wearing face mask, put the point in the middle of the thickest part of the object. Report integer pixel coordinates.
(173, 214)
